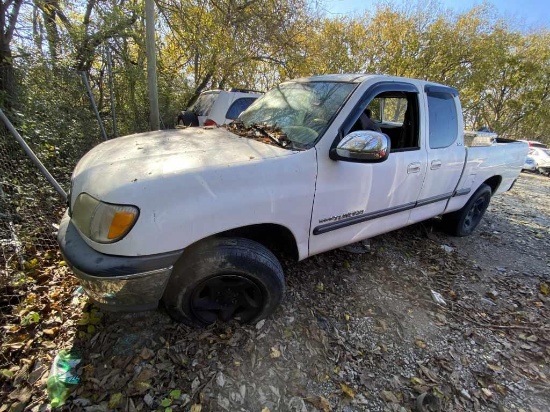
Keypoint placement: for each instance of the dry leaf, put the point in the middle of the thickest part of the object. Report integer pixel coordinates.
(220, 379)
(116, 400)
(148, 399)
(487, 392)
(196, 408)
(275, 353)
(417, 381)
(146, 353)
(429, 374)
(145, 375)
(319, 402)
(420, 343)
(139, 387)
(347, 390)
(260, 324)
(51, 332)
(494, 368)
(195, 384)
(501, 389)
(389, 396)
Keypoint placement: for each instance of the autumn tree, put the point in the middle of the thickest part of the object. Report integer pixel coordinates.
(228, 42)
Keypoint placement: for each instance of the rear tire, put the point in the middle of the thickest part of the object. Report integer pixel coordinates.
(188, 118)
(224, 279)
(464, 221)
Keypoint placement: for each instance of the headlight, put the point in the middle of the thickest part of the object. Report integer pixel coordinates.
(103, 222)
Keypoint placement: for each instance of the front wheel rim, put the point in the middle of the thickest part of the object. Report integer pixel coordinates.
(225, 297)
(474, 214)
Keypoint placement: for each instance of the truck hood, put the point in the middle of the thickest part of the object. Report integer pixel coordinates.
(133, 161)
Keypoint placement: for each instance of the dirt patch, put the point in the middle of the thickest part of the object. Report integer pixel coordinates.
(356, 332)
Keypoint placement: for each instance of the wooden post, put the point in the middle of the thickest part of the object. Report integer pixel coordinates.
(111, 89)
(151, 64)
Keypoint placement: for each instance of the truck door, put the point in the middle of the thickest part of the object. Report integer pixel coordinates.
(354, 201)
(445, 150)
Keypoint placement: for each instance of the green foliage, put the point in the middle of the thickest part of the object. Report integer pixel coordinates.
(175, 394)
(29, 318)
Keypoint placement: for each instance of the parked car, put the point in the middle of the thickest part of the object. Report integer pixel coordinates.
(198, 217)
(534, 143)
(529, 164)
(540, 158)
(217, 107)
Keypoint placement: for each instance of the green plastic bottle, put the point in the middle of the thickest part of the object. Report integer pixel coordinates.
(63, 377)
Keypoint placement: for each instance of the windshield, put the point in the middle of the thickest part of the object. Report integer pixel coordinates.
(301, 111)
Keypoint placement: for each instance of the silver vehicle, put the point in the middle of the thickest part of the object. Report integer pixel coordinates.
(529, 164)
(541, 159)
(534, 143)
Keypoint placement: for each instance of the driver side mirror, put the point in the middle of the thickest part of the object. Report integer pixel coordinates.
(364, 146)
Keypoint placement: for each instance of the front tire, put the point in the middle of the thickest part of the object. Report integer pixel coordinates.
(224, 279)
(464, 221)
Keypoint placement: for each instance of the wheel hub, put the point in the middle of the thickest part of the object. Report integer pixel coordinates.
(226, 297)
(475, 213)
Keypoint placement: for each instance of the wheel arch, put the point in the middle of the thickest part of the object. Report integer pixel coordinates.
(277, 238)
(494, 183)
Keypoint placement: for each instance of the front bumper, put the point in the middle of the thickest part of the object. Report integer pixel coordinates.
(116, 283)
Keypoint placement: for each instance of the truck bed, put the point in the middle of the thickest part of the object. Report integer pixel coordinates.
(501, 160)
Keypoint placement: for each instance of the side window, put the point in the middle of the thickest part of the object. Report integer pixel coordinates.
(392, 109)
(395, 114)
(239, 106)
(443, 120)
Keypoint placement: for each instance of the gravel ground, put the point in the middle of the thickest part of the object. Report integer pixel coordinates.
(356, 332)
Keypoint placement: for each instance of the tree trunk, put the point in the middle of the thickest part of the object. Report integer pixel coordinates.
(8, 84)
(52, 35)
(9, 11)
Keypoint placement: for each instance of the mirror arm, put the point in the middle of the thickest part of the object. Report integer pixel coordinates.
(332, 154)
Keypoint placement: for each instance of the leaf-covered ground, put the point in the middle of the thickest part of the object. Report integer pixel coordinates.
(356, 332)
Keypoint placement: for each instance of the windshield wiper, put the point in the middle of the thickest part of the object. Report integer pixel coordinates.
(283, 141)
(256, 131)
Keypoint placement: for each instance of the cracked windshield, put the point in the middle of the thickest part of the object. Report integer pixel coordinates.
(293, 115)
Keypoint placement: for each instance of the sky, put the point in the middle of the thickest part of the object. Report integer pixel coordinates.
(528, 14)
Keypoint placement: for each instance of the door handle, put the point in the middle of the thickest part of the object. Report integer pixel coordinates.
(436, 164)
(413, 168)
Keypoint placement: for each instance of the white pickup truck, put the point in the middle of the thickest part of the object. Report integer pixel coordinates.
(196, 217)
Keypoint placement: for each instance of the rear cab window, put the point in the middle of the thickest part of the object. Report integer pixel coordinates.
(443, 120)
